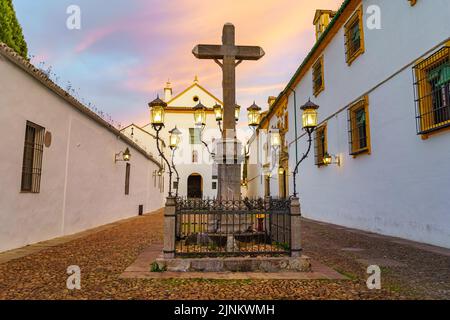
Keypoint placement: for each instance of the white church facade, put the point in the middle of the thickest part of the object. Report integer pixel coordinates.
(64, 169)
(384, 97)
(193, 161)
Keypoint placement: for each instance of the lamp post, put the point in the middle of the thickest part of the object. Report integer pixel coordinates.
(157, 112)
(174, 142)
(275, 143)
(309, 122)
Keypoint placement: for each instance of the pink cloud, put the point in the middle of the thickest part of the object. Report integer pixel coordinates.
(93, 37)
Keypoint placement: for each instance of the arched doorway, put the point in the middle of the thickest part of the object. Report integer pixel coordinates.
(195, 186)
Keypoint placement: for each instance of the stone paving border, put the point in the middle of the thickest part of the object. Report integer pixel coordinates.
(140, 269)
(37, 247)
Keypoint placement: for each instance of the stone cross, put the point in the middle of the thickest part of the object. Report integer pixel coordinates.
(228, 52)
(231, 56)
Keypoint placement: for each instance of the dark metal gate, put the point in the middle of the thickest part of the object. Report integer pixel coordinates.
(232, 227)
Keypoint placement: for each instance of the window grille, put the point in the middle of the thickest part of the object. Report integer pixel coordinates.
(354, 37)
(432, 92)
(195, 136)
(32, 158)
(320, 138)
(358, 127)
(318, 81)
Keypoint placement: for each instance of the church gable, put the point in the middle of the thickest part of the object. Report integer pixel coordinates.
(192, 96)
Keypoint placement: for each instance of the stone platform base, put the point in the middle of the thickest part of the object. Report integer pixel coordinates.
(236, 264)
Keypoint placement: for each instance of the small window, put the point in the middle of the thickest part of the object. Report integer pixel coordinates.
(320, 144)
(195, 99)
(195, 136)
(127, 178)
(194, 156)
(32, 158)
(214, 177)
(359, 129)
(432, 82)
(175, 185)
(214, 185)
(354, 37)
(318, 79)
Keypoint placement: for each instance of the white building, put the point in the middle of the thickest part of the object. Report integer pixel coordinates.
(384, 97)
(58, 173)
(197, 171)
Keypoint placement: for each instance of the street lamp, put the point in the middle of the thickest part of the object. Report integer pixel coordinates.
(237, 111)
(174, 138)
(157, 111)
(275, 139)
(253, 115)
(174, 142)
(309, 117)
(200, 115)
(218, 112)
(309, 121)
(274, 144)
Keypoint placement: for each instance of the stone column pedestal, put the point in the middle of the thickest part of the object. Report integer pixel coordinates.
(296, 248)
(229, 158)
(169, 228)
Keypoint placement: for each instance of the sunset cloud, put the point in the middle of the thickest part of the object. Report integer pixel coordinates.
(127, 50)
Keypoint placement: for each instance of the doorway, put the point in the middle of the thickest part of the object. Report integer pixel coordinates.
(194, 184)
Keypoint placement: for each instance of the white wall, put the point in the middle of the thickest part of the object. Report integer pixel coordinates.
(81, 186)
(402, 187)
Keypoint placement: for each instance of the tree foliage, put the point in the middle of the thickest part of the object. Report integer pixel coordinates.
(10, 29)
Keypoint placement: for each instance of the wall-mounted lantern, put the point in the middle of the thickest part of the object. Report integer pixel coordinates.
(331, 159)
(126, 155)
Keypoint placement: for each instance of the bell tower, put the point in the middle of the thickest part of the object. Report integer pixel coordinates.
(167, 91)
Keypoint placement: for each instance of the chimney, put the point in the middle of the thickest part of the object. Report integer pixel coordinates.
(271, 100)
(322, 19)
(168, 91)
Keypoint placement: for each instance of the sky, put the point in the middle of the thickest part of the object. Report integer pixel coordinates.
(126, 51)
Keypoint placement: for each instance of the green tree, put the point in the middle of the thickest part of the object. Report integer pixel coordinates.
(10, 30)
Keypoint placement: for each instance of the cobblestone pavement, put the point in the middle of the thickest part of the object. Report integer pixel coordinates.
(104, 255)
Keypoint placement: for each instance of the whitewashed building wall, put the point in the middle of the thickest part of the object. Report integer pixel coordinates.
(80, 187)
(401, 188)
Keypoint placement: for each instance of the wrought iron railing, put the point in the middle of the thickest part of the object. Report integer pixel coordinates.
(232, 227)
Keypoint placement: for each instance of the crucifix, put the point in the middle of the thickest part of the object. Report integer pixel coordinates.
(231, 56)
